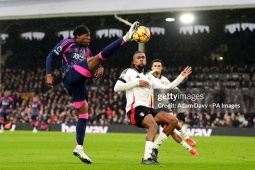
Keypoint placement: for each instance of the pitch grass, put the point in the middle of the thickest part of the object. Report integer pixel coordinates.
(24, 150)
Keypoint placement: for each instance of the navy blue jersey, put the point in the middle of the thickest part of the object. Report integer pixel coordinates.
(35, 107)
(71, 52)
(6, 103)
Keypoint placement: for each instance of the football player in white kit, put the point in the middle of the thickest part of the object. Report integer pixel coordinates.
(157, 67)
(139, 88)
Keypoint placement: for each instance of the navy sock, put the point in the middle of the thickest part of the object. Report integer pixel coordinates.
(81, 130)
(111, 48)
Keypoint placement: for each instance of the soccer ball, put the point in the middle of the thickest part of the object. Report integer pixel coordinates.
(142, 34)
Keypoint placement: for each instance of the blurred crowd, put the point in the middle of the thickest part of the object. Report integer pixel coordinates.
(108, 108)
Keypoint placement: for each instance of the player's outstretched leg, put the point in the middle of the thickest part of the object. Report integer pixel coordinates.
(193, 152)
(79, 152)
(191, 142)
(179, 140)
(94, 62)
(184, 136)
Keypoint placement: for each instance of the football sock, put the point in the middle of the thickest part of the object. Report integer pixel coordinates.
(148, 149)
(185, 145)
(111, 48)
(81, 129)
(161, 138)
(183, 134)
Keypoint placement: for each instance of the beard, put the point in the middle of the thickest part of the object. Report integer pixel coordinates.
(140, 67)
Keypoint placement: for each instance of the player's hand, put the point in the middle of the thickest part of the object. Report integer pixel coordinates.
(187, 71)
(50, 80)
(99, 73)
(143, 83)
(154, 72)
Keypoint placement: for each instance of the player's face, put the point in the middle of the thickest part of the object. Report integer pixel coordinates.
(157, 66)
(6, 94)
(35, 99)
(83, 39)
(139, 60)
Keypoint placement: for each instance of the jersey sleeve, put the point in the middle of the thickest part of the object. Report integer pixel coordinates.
(157, 85)
(57, 51)
(125, 82)
(168, 82)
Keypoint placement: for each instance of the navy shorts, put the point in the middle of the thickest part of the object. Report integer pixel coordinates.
(137, 115)
(75, 84)
(34, 117)
(3, 114)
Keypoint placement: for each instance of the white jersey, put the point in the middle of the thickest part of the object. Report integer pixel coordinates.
(163, 80)
(136, 95)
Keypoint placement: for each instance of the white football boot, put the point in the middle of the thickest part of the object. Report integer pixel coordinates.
(79, 152)
(129, 34)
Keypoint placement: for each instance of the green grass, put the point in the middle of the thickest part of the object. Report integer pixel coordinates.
(24, 150)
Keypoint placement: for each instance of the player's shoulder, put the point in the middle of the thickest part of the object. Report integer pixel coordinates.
(128, 70)
(67, 41)
(11, 99)
(163, 78)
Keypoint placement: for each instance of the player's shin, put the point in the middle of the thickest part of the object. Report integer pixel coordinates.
(160, 139)
(81, 128)
(148, 149)
(110, 49)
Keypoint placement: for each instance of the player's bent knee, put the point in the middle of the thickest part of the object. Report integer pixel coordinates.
(173, 121)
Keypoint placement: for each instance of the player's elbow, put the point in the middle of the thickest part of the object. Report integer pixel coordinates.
(116, 88)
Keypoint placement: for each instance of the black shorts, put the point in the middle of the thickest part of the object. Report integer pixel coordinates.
(137, 115)
(162, 109)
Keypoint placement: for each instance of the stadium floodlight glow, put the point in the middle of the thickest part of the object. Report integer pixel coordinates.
(169, 19)
(187, 18)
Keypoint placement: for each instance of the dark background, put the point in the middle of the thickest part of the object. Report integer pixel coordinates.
(173, 48)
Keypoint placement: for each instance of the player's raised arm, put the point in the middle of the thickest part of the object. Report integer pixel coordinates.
(187, 71)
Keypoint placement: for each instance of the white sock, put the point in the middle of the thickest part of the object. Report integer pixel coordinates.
(79, 147)
(185, 145)
(161, 138)
(183, 134)
(148, 149)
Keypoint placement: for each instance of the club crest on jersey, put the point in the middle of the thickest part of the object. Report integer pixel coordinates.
(142, 114)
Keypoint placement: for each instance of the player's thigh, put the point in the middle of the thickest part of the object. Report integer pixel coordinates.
(165, 118)
(93, 63)
(73, 78)
(149, 122)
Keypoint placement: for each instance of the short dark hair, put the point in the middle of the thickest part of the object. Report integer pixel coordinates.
(137, 53)
(157, 60)
(81, 29)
